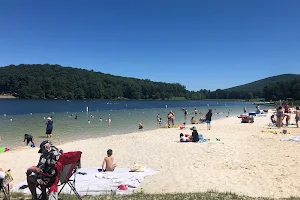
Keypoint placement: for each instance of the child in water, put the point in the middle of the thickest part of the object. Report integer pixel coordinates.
(28, 138)
(141, 126)
(108, 162)
(160, 121)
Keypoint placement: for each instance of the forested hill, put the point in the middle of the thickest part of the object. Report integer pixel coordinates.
(260, 84)
(54, 81)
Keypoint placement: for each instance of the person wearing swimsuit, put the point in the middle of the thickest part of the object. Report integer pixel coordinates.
(279, 115)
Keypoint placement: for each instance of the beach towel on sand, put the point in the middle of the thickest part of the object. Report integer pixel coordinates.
(295, 138)
(95, 183)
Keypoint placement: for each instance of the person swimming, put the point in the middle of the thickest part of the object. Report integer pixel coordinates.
(141, 126)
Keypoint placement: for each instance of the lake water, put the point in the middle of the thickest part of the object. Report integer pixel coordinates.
(18, 117)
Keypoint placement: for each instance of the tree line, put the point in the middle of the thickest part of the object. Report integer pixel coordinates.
(283, 90)
(54, 81)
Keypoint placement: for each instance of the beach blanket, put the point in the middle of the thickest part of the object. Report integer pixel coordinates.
(295, 138)
(95, 183)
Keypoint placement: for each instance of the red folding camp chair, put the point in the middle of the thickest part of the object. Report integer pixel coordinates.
(66, 167)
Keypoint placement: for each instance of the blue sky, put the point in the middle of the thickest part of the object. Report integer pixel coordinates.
(201, 44)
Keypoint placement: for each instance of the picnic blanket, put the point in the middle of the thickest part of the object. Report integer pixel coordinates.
(95, 183)
(295, 138)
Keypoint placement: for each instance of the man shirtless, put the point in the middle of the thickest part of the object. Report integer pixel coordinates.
(108, 162)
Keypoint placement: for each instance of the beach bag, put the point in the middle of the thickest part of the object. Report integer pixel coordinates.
(137, 168)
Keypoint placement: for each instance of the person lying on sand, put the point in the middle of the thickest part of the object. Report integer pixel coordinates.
(108, 162)
(185, 138)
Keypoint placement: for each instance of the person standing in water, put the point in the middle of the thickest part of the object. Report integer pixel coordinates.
(245, 109)
(158, 117)
(49, 127)
(185, 112)
(195, 111)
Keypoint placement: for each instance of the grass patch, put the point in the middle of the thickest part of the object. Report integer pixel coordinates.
(211, 195)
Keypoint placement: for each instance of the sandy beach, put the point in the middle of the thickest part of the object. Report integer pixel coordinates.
(245, 160)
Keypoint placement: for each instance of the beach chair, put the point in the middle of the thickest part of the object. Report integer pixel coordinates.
(66, 170)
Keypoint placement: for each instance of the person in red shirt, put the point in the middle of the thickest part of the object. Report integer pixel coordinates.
(286, 108)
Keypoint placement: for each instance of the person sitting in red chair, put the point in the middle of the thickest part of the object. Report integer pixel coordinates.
(44, 173)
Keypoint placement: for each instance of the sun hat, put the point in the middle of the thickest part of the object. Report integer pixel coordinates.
(41, 146)
(49, 118)
(193, 128)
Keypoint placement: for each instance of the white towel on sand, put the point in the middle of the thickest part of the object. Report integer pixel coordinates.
(95, 183)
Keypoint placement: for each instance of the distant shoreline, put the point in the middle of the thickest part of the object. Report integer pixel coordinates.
(224, 100)
(7, 96)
